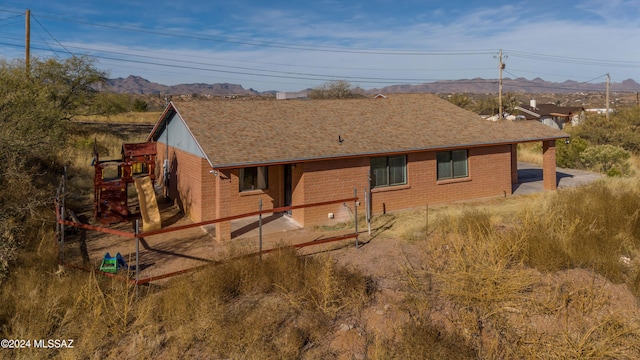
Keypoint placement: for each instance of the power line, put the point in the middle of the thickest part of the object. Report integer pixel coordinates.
(53, 37)
(277, 64)
(574, 60)
(274, 44)
(281, 75)
(300, 75)
(12, 17)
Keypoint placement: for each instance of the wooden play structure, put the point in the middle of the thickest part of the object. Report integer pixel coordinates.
(112, 178)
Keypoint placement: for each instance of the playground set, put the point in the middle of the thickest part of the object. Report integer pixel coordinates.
(111, 198)
(111, 206)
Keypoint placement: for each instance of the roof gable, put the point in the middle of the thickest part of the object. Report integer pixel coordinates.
(241, 133)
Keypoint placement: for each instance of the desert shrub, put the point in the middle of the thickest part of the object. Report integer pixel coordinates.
(260, 309)
(488, 287)
(620, 129)
(33, 110)
(418, 340)
(140, 105)
(338, 89)
(608, 159)
(590, 227)
(568, 155)
(544, 249)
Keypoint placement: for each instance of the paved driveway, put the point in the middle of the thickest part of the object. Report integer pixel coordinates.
(530, 178)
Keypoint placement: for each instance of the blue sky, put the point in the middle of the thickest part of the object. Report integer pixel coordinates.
(293, 45)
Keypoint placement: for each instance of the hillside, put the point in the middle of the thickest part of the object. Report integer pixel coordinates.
(518, 85)
(138, 85)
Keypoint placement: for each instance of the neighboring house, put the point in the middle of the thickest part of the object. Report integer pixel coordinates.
(291, 95)
(551, 114)
(409, 150)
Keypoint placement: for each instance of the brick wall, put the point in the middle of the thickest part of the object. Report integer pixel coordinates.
(247, 201)
(297, 196)
(549, 165)
(490, 174)
(514, 163)
(191, 185)
(333, 180)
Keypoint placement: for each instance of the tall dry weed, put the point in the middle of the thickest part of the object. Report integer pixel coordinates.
(132, 117)
(530, 153)
(593, 227)
(477, 285)
(251, 308)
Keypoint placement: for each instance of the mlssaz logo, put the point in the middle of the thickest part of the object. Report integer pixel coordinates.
(53, 344)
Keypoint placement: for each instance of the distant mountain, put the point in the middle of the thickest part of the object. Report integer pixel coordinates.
(138, 85)
(519, 85)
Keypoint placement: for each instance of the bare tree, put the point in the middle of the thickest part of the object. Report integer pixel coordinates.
(337, 89)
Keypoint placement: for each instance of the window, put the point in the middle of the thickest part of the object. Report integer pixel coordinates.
(388, 171)
(452, 164)
(253, 178)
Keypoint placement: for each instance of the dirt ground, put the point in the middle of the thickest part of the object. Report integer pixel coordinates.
(172, 252)
(382, 255)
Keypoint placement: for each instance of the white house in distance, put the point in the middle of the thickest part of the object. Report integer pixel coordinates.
(551, 114)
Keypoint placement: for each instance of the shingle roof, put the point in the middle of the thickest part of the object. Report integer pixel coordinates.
(239, 133)
(549, 109)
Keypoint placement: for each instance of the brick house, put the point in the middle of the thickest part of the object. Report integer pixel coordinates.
(217, 158)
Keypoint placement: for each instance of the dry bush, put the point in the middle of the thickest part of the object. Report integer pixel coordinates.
(132, 117)
(45, 303)
(418, 340)
(475, 287)
(591, 227)
(282, 305)
(530, 153)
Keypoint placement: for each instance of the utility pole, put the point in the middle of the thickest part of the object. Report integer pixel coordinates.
(500, 68)
(607, 97)
(27, 44)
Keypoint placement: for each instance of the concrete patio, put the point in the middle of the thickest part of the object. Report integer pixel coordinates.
(530, 178)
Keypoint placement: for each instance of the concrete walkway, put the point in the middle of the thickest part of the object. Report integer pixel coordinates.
(530, 178)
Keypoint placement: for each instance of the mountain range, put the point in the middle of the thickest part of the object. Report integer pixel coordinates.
(138, 85)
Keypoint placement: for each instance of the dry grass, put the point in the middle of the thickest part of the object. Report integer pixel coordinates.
(124, 118)
(281, 306)
(506, 289)
(530, 153)
(542, 276)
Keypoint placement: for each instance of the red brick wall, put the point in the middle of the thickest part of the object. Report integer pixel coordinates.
(549, 165)
(490, 174)
(514, 163)
(191, 185)
(333, 180)
(297, 196)
(247, 201)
